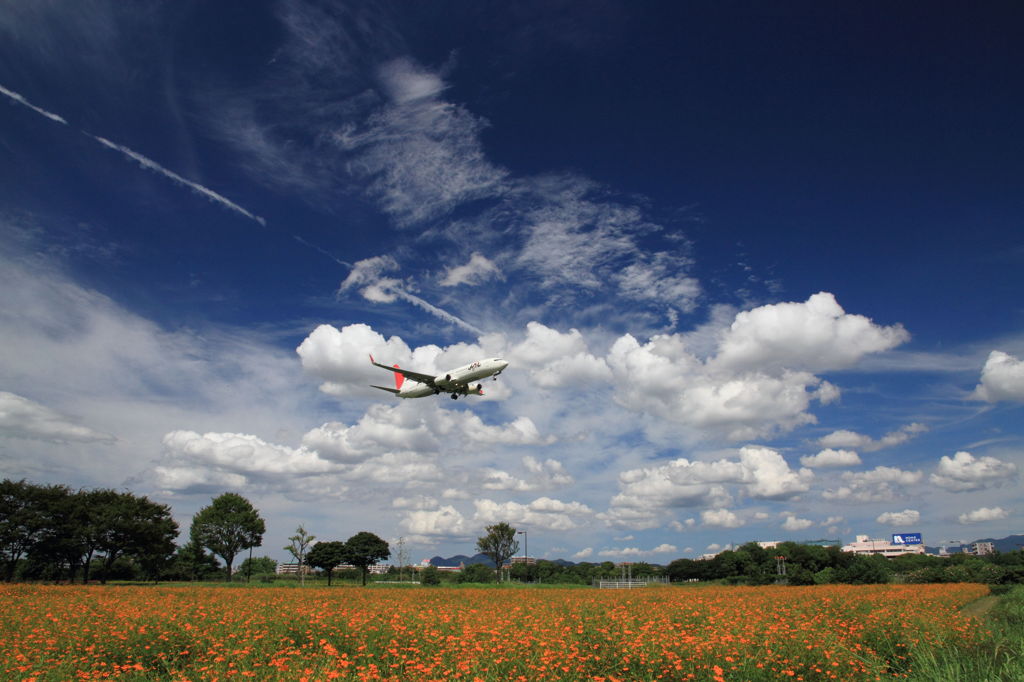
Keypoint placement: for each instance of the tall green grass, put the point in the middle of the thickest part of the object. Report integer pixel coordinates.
(997, 655)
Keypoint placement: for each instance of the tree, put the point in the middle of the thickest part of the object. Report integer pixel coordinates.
(326, 556)
(499, 544)
(193, 563)
(300, 542)
(262, 565)
(137, 527)
(227, 526)
(476, 573)
(365, 549)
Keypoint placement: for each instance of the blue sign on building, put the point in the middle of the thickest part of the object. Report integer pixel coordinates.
(906, 538)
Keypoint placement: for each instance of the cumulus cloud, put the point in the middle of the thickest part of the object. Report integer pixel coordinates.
(907, 517)
(1002, 378)
(963, 471)
(881, 484)
(984, 514)
(540, 476)
(24, 418)
(792, 523)
(760, 473)
(431, 525)
(543, 513)
(722, 518)
(831, 458)
(815, 335)
(851, 439)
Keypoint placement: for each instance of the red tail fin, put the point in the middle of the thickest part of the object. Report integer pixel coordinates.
(399, 378)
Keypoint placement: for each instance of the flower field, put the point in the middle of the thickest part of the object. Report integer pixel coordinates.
(823, 632)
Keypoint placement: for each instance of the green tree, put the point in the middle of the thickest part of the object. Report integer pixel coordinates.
(191, 562)
(262, 565)
(499, 545)
(430, 576)
(300, 542)
(476, 573)
(326, 556)
(365, 549)
(227, 526)
(136, 527)
(27, 512)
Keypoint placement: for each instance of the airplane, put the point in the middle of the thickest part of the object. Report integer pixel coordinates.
(457, 381)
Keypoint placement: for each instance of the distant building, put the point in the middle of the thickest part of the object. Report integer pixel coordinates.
(866, 545)
(529, 560)
(293, 569)
(982, 548)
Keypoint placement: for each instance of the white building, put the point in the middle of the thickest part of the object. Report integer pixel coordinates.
(867, 545)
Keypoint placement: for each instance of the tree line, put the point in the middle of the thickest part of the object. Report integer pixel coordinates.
(51, 532)
(797, 564)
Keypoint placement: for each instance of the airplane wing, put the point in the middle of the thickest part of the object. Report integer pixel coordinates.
(427, 379)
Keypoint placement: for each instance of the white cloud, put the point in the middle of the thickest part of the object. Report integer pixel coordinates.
(415, 502)
(984, 514)
(241, 453)
(584, 553)
(815, 335)
(907, 517)
(406, 82)
(792, 523)
(419, 155)
(963, 471)
(722, 518)
(850, 439)
(540, 476)
(881, 484)
(543, 513)
(24, 418)
(443, 522)
(478, 269)
(1002, 378)
(831, 458)
(770, 476)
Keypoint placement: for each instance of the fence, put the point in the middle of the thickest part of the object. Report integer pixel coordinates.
(628, 584)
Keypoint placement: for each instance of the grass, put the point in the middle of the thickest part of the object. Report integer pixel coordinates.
(997, 654)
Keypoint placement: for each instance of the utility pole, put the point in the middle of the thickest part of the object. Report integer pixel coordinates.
(526, 551)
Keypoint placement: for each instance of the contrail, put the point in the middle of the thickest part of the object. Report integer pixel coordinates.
(154, 166)
(21, 100)
(143, 161)
(434, 310)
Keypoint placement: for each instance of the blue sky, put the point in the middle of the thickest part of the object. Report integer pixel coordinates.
(756, 268)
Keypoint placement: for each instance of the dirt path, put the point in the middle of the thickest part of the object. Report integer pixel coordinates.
(979, 607)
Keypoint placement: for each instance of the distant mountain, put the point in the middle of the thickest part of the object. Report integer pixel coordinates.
(478, 559)
(1007, 544)
(461, 559)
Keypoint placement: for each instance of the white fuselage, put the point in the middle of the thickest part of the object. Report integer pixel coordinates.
(456, 381)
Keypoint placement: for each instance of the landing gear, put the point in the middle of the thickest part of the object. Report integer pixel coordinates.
(455, 396)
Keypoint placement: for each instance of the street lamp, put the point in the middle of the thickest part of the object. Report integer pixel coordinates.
(526, 551)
